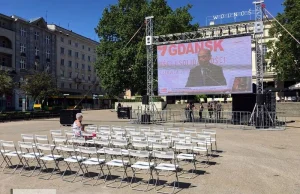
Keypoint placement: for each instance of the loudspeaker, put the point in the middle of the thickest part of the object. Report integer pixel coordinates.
(145, 99)
(67, 117)
(124, 112)
(145, 119)
(260, 98)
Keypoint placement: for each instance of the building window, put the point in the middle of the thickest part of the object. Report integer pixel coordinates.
(47, 39)
(70, 86)
(76, 44)
(76, 54)
(264, 49)
(62, 50)
(22, 48)
(62, 84)
(70, 53)
(89, 68)
(61, 39)
(89, 78)
(70, 42)
(82, 66)
(82, 76)
(89, 87)
(83, 87)
(23, 32)
(20, 102)
(62, 62)
(83, 47)
(83, 56)
(70, 74)
(22, 64)
(89, 49)
(36, 66)
(47, 54)
(36, 51)
(36, 35)
(89, 58)
(70, 63)
(62, 73)
(77, 65)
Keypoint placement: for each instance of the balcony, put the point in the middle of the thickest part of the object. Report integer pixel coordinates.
(5, 45)
(77, 79)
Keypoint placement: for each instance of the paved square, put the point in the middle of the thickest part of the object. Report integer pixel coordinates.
(251, 162)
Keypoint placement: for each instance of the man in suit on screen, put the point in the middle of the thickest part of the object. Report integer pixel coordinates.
(206, 73)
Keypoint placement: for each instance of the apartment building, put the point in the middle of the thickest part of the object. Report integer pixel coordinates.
(76, 55)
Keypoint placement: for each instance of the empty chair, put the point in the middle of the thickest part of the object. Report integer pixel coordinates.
(9, 151)
(160, 167)
(158, 129)
(71, 157)
(57, 140)
(41, 139)
(129, 128)
(200, 146)
(78, 140)
(102, 143)
(159, 145)
(213, 134)
(92, 160)
(145, 165)
(116, 163)
(104, 129)
(144, 129)
(29, 156)
(131, 133)
(154, 138)
(69, 135)
(149, 133)
(138, 138)
(47, 150)
(190, 156)
(190, 130)
(91, 130)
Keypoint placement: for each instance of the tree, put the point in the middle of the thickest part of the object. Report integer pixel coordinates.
(6, 83)
(285, 51)
(39, 86)
(120, 65)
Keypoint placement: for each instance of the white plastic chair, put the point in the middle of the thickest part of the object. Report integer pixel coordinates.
(146, 165)
(9, 151)
(160, 167)
(91, 161)
(116, 163)
(47, 150)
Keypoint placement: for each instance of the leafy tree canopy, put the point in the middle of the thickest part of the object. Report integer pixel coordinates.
(39, 86)
(285, 51)
(6, 83)
(122, 66)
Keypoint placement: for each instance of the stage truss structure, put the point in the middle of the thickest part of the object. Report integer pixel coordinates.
(255, 29)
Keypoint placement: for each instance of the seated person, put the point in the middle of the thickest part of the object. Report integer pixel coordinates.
(78, 127)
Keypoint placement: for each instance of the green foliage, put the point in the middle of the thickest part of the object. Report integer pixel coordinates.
(123, 66)
(6, 83)
(198, 97)
(39, 86)
(285, 52)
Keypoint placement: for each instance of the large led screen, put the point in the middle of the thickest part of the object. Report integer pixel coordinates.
(220, 66)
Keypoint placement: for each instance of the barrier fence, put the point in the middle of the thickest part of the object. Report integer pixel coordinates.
(223, 119)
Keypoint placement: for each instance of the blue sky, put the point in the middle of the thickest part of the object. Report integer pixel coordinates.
(82, 16)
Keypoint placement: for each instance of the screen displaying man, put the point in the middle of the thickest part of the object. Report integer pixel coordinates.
(206, 73)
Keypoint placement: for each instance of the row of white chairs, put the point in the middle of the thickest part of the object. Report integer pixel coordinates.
(41, 154)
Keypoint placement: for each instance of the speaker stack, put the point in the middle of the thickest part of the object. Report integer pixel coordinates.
(145, 100)
(67, 117)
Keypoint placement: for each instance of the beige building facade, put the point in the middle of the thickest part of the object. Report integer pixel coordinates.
(76, 56)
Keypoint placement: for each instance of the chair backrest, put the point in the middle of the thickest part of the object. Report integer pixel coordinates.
(9, 144)
(116, 128)
(134, 133)
(102, 135)
(129, 128)
(103, 142)
(149, 133)
(80, 140)
(59, 139)
(189, 130)
(163, 155)
(158, 129)
(138, 138)
(209, 131)
(140, 144)
(183, 146)
(27, 137)
(56, 132)
(69, 133)
(91, 130)
(166, 134)
(67, 148)
(144, 128)
(39, 138)
(159, 145)
(44, 147)
(199, 140)
(154, 138)
(113, 151)
(139, 153)
(28, 146)
(173, 129)
(119, 142)
(87, 150)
